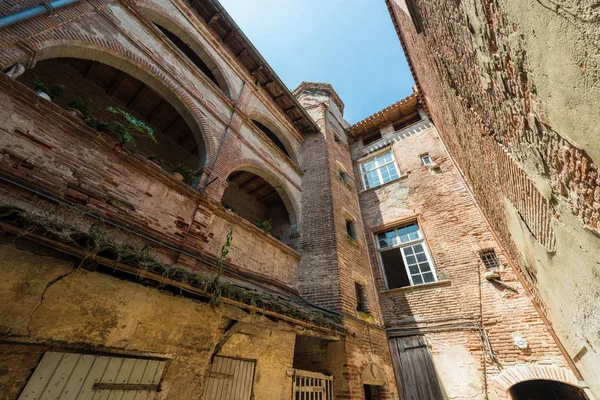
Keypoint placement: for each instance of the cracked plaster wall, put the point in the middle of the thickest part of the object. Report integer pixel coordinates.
(45, 300)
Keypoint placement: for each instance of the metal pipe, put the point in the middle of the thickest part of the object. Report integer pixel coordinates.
(42, 9)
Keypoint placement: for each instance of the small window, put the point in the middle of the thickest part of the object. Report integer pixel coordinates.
(490, 260)
(379, 170)
(361, 297)
(371, 138)
(426, 159)
(351, 229)
(405, 258)
(337, 138)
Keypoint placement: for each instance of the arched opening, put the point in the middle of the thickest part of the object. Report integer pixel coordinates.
(178, 145)
(272, 136)
(546, 390)
(256, 200)
(189, 46)
(191, 54)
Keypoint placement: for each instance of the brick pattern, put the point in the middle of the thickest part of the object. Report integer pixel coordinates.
(449, 313)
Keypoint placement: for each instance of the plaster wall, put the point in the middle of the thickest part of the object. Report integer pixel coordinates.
(47, 301)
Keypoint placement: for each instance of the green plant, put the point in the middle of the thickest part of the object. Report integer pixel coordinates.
(228, 206)
(97, 124)
(83, 105)
(188, 174)
(128, 127)
(345, 182)
(352, 241)
(52, 90)
(215, 286)
(156, 160)
(265, 225)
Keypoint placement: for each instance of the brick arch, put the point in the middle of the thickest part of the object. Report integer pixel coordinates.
(173, 23)
(259, 169)
(521, 373)
(58, 43)
(256, 115)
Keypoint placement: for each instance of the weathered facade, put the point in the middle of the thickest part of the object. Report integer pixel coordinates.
(176, 224)
(512, 89)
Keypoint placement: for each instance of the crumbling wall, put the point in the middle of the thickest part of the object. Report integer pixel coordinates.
(50, 301)
(512, 87)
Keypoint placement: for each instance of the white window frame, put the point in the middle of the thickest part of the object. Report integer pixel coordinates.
(378, 154)
(419, 240)
(428, 157)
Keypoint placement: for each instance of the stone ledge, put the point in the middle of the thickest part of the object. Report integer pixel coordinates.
(445, 282)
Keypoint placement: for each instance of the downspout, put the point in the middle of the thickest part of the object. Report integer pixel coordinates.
(36, 11)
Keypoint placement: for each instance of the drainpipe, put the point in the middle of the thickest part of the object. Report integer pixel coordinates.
(42, 9)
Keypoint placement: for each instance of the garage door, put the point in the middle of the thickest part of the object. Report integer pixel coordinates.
(72, 376)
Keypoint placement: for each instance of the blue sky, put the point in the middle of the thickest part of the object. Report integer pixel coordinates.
(351, 44)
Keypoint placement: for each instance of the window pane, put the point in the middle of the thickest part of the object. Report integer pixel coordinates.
(417, 280)
(418, 248)
(411, 260)
(428, 277)
(395, 271)
(425, 267)
(382, 240)
(408, 250)
(421, 257)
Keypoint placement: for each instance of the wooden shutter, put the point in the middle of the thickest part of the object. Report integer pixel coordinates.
(72, 376)
(229, 379)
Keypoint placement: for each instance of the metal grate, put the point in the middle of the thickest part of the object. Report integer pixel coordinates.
(490, 261)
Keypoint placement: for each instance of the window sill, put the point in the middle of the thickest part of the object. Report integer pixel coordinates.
(383, 185)
(414, 288)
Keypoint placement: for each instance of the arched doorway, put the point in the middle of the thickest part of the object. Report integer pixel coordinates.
(540, 389)
(255, 199)
(178, 145)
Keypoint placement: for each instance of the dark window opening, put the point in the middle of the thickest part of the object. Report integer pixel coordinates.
(273, 137)
(351, 229)
(394, 268)
(490, 260)
(344, 176)
(371, 138)
(361, 297)
(546, 390)
(372, 392)
(191, 54)
(406, 122)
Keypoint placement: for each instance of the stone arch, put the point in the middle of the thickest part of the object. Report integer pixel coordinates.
(277, 131)
(257, 169)
(161, 16)
(58, 44)
(521, 373)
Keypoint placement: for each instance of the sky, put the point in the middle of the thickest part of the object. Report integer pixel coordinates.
(351, 44)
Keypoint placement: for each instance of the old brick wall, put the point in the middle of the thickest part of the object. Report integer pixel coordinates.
(332, 275)
(451, 311)
(511, 87)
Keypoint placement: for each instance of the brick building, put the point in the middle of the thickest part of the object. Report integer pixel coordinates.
(176, 224)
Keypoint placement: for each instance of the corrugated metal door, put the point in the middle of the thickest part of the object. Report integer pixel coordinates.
(229, 379)
(71, 376)
(414, 369)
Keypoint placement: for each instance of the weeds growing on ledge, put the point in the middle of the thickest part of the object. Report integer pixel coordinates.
(97, 244)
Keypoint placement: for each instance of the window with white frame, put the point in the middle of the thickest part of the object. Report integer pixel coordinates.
(379, 169)
(426, 159)
(404, 257)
